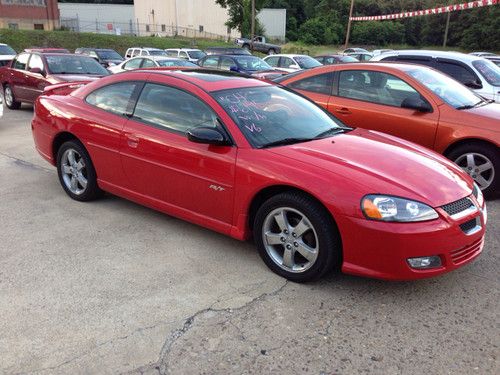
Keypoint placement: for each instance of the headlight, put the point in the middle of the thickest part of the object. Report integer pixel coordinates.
(476, 191)
(387, 208)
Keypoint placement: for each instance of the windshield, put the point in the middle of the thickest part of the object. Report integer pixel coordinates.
(252, 63)
(109, 55)
(348, 59)
(307, 62)
(71, 64)
(158, 52)
(196, 54)
(451, 91)
(267, 115)
(175, 63)
(6, 50)
(488, 70)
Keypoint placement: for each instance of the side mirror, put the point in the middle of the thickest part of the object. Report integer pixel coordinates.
(206, 135)
(234, 68)
(294, 66)
(473, 84)
(36, 71)
(417, 104)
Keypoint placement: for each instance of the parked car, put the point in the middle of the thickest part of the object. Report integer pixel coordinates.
(353, 50)
(29, 73)
(416, 103)
(377, 52)
(189, 54)
(291, 63)
(495, 59)
(361, 56)
(105, 56)
(6, 53)
(1, 105)
(144, 51)
(477, 73)
(227, 51)
(335, 59)
(150, 62)
(5, 60)
(46, 50)
(482, 54)
(258, 44)
(251, 65)
(315, 194)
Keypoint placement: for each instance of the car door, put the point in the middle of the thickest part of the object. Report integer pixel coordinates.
(148, 63)
(35, 82)
(18, 76)
(132, 64)
(287, 64)
(316, 87)
(226, 63)
(210, 62)
(273, 61)
(372, 99)
(162, 165)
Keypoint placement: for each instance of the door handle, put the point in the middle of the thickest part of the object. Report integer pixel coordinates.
(343, 111)
(132, 141)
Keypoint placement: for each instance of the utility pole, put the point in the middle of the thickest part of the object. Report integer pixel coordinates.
(349, 25)
(445, 40)
(252, 31)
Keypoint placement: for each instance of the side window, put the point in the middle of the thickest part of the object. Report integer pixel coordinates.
(147, 63)
(21, 61)
(114, 98)
(136, 52)
(35, 62)
(321, 84)
(375, 87)
(273, 61)
(172, 53)
(183, 55)
(329, 61)
(285, 62)
(211, 62)
(132, 64)
(458, 72)
(144, 53)
(226, 63)
(172, 109)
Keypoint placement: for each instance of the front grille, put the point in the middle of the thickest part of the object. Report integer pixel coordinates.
(456, 207)
(467, 252)
(468, 225)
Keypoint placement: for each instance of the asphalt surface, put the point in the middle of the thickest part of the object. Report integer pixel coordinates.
(112, 287)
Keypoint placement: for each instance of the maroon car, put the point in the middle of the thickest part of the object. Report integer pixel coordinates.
(25, 78)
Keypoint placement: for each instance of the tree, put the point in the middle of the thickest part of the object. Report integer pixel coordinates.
(240, 13)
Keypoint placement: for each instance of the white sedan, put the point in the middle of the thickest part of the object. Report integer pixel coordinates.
(141, 62)
(291, 63)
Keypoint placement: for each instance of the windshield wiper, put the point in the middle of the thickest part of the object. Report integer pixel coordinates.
(286, 141)
(469, 106)
(332, 131)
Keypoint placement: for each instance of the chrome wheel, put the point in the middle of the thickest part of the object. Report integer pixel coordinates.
(74, 172)
(290, 239)
(9, 97)
(479, 167)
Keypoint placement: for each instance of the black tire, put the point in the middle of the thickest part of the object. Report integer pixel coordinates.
(482, 152)
(14, 104)
(246, 46)
(271, 51)
(92, 190)
(329, 247)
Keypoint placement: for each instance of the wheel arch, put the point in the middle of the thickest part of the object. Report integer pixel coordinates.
(465, 141)
(59, 139)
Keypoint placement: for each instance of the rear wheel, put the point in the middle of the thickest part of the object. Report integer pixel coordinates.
(482, 162)
(296, 237)
(271, 51)
(10, 100)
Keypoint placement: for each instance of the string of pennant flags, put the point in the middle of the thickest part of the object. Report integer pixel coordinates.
(425, 12)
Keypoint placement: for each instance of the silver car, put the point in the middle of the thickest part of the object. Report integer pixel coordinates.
(477, 73)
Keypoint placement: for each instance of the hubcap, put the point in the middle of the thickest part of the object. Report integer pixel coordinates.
(9, 99)
(73, 171)
(290, 239)
(479, 167)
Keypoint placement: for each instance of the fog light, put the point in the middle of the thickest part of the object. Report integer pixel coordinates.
(425, 262)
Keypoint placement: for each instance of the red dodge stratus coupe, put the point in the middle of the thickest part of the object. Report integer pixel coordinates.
(247, 158)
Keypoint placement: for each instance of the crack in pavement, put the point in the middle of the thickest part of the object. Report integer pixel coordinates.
(25, 163)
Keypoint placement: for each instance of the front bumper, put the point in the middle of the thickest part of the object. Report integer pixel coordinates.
(381, 249)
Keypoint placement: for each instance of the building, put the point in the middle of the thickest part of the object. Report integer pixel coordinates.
(190, 18)
(29, 14)
(274, 23)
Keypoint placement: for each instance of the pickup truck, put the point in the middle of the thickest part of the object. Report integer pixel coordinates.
(259, 44)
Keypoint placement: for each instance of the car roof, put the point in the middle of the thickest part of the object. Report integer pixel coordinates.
(433, 53)
(182, 49)
(291, 55)
(155, 58)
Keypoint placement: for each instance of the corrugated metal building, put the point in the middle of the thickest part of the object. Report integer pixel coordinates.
(274, 23)
(29, 14)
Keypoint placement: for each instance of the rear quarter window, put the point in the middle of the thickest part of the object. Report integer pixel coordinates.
(115, 98)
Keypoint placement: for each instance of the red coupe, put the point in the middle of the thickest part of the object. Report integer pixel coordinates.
(248, 158)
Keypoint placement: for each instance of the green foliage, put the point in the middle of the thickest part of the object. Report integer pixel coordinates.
(378, 33)
(240, 12)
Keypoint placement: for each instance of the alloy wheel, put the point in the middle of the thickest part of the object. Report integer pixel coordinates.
(479, 167)
(74, 172)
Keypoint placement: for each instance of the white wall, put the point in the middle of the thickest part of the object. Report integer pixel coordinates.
(274, 22)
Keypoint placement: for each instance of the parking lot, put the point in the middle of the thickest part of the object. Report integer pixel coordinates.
(113, 287)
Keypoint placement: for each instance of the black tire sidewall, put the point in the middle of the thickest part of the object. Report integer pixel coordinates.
(329, 254)
(92, 191)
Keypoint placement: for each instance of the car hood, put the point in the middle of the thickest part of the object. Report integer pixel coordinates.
(489, 114)
(379, 163)
(73, 77)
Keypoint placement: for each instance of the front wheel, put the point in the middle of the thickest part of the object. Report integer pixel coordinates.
(482, 162)
(296, 237)
(10, 100)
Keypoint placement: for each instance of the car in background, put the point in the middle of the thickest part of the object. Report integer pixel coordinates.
(377, 52)
(26, 77)
(7, 53)
(251, 159)
(47, 50)
(251, 65)
(335, 59)
(227, 51)
(105, 56)
(151, 62)
(416, 103)
(353, 50)
(477, 73)
(190, 54)
(5, 59)
(258, 44)
(1, 105)
(482, 54)
(495, 59)
(144, 51)
(291, 63)
(361, 56)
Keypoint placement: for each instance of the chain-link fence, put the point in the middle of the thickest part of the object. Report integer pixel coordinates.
(136, 28)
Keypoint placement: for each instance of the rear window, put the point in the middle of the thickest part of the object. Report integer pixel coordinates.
(307, 62)
(74, 64)
(6, 50)
(488, 70)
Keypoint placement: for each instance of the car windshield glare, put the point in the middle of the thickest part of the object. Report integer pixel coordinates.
(6, 50)
(268, 115)
(307, 62)
(252, 63)
(196, 54)
(451, 91)
(488, 70)
(70, 64)
(109, 55)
